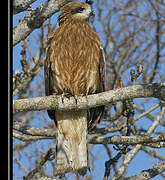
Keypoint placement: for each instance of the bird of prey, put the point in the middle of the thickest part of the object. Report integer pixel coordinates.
(74, 65)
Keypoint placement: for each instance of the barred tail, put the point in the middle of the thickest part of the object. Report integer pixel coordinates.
(72, 147)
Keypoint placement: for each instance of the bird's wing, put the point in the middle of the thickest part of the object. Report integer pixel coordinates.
(48, 80)
(95, 115)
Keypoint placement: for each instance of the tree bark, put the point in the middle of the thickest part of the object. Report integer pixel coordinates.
(54, 102)
(35, 18)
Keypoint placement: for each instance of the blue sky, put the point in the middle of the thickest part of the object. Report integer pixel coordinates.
(140, 162)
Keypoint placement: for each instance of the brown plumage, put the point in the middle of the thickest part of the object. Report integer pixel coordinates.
(74, 65)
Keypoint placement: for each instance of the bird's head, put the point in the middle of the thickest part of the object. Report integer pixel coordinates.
(77, 10)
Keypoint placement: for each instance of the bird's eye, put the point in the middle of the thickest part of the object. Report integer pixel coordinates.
(80, 9)
(77, 10)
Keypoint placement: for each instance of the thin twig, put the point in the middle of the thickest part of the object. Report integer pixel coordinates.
(157, 36)
(42, 161)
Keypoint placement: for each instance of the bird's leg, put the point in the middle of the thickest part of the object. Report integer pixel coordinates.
(76, 98)
(62, 98)
(68, 95)
(86, 95)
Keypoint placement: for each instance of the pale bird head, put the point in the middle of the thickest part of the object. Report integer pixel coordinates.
(78, 10)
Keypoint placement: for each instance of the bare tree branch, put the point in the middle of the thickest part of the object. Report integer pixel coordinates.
(157, 36)
(54, 102)
(42, 161)
(35, 18)
(20, 82)
(21, 5)
(153, 153)
(149, 173)
(33, 134)
(136, 148)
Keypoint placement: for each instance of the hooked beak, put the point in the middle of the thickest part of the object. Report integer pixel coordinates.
(92, 14)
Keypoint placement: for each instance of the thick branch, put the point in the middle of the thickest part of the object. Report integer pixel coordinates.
(21, 5)
(125, 140)
(156, 90)
(35, 18)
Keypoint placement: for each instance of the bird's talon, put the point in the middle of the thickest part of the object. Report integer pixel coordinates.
(76, 98)
(62, 98)
(63, 95)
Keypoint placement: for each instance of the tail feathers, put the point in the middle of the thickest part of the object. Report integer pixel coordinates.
(71, 149)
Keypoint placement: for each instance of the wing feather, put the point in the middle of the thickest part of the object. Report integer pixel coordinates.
(95, 115)
(48, 80)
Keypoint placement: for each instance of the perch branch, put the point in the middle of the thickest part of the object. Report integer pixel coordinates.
(156, 90)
